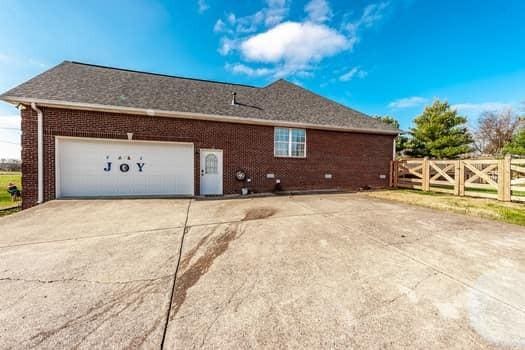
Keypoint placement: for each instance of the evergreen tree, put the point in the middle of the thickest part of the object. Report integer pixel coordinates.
(401, 140)
(440, 132)
(517, 145)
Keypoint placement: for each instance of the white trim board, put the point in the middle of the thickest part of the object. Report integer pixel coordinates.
(187, 115)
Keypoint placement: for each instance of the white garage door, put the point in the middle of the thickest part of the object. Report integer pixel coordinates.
(91, 167)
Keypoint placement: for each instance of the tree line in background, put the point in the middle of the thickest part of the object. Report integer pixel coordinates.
(441, 132)
(10, 164)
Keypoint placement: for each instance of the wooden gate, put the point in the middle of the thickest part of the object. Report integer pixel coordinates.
(517, 180)
(502, 179)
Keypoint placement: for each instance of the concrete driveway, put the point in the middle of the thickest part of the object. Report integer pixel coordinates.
(329, 271)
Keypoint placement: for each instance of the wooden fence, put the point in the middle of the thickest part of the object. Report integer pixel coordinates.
(502, 179)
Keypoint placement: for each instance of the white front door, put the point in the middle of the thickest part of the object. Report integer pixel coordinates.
(211, 171)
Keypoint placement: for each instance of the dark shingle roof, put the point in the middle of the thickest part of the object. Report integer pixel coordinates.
(280, 101)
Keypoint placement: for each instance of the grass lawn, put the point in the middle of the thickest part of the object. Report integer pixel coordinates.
(510, 212)
(5, 178)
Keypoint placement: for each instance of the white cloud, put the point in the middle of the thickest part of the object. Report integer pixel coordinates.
(249, 24)
(295, 43)
(318, 11)
(276, 71)
(353, 73)
(10, 122)
(10, 150)
(297, 69)
(10, 136)
(227, 46)
(276, 3)
(297, 82)
(239, 68)
(203, 6)
(4, 58)
(272, 14)
(14, 59)
(372, 14)
(231, 18)
(408, 102)
(235, 28)
(219, 26)
(293, 47)
(478, 108)
(276, 11)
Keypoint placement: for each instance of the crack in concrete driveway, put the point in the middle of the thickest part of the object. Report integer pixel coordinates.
(324, 271)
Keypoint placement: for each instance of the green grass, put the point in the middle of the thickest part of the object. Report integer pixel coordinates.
(512, 215)
(6, 178)
(510, 212)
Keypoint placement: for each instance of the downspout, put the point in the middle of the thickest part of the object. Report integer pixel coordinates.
(40, 147)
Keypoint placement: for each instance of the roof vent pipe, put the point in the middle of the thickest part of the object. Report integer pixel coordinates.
(234, 101)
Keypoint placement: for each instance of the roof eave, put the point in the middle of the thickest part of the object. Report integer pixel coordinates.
(187, 115)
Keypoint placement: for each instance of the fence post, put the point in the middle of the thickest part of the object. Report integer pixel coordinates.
(457, 177)
(501, 181)
(395, 173)
(425, 183)
(391, 179)
(506, 178)
(461, 178)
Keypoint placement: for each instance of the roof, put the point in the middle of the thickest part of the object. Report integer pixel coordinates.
(76, 84)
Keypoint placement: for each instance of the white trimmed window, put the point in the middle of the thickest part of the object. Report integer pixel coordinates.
(289, 142)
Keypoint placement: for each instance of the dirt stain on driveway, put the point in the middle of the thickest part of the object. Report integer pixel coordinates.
(193, 272)
(105, 311)
(259, 213)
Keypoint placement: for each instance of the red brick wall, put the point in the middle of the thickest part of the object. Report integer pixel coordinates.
(353, 159)
(29, 158)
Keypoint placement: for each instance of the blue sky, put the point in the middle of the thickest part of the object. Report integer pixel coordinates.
(380, 57)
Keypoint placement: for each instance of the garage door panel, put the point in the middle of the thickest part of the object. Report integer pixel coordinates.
(123, 168)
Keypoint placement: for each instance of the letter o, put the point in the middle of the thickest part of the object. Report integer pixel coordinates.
(124, 167)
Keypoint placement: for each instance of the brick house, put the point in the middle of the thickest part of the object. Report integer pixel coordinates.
(93, 131)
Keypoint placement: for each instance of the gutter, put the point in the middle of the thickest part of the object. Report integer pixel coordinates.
(40, 147)
(188, 115)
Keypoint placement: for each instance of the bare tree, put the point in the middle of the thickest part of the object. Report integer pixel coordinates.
(495, 130)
